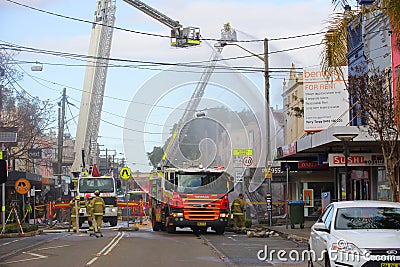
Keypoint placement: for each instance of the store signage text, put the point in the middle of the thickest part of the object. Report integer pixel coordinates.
(336, 160)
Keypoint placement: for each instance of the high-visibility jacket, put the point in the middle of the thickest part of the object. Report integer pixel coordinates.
(88, 208)
(98, 205)
(72, 206)
(238, 206)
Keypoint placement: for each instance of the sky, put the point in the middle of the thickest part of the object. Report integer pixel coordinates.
(252, 20)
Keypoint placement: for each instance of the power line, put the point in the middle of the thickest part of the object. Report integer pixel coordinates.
(193, 64)
(153, 34)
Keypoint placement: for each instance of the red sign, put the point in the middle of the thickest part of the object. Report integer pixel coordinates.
(367, 159)
(247, 161)
(310, 165)
(289, 149)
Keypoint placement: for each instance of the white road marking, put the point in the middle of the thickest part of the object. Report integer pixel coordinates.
(5, 244)
(37, 257)
(115, 243)
(107, 248)
(109, 244)
(61, 246)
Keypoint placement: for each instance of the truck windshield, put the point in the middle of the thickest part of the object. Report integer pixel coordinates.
(89, 185)
(188, 181)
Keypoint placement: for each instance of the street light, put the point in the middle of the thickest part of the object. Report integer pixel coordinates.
(266, 97)
(346, 138)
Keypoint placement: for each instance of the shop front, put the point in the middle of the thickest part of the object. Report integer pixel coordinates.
(338, 176)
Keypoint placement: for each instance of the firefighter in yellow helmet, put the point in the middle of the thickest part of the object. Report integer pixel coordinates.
(74, 211)
(98, 207)
(238, 208)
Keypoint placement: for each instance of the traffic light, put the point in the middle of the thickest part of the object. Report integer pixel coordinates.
(3, 171)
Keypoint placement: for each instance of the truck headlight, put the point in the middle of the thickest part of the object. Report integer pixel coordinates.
(224, 215)
(176, 214)
(114, 209)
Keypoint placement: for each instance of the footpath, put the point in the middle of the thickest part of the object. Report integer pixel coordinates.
(297, 233)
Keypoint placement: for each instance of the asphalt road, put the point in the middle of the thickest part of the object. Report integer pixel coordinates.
(144, 248)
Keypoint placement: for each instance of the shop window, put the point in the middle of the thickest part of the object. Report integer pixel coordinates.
(383, 185)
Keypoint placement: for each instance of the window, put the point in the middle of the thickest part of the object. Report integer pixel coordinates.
(368, 218)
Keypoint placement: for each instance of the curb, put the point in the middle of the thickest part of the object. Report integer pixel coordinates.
(28, 234)
(290, 236)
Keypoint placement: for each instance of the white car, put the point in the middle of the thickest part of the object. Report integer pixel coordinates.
(362, 233)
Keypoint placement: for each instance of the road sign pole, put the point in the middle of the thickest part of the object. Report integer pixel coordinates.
(126, 200)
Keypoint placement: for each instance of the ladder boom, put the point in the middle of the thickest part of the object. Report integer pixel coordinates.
(155, 14)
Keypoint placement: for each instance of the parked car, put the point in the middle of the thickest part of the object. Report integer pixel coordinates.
(357, 233)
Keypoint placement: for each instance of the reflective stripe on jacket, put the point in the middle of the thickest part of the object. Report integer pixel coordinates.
(98, 205)
(238, 206)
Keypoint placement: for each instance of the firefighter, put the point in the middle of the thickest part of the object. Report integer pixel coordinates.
(73, 211)
(89, 212)
(238, 208)
(140, 210)
(98, 207)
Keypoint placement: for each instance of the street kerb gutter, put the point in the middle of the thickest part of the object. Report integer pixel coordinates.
(217, 253)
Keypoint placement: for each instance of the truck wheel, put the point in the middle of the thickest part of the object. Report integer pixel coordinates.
(81, 221)
(171, 229)
(220, 230)
(113, 221)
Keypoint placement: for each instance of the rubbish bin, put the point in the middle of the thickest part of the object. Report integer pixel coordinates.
(296, 212)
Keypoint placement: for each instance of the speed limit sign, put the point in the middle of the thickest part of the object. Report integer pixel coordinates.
(248, 161)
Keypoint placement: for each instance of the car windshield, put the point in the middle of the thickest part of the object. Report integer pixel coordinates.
(367, 218)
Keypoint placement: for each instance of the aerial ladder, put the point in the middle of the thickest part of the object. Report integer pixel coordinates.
(228, 34)
(86, 147)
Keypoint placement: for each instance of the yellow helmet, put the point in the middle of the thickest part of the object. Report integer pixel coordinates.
(78, 197)
(97, 192)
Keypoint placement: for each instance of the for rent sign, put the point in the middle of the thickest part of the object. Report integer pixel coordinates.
(325, 99)
(367, 159)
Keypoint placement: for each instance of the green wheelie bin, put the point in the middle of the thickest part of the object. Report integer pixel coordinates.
(296, 213)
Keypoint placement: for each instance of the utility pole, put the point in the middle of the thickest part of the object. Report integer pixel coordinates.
(61, 116)
(267, 115)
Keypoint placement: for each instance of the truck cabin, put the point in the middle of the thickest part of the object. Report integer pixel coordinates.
(91, 184)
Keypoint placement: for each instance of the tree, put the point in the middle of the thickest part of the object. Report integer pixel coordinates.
(29, 115)
(371, 91)
(334, 53)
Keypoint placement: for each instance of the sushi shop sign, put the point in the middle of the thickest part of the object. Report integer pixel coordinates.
(366, 159)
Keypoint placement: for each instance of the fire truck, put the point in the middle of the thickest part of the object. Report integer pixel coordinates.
(107, 187)
(191, 197)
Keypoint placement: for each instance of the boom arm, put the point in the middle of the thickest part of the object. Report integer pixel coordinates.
(180, 36)
(172, 150)
(155, 14)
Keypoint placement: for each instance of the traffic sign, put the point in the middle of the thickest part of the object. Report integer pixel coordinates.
(268, 173)
(125, 173)
(248, 161)
(22, 186)
(243, 152)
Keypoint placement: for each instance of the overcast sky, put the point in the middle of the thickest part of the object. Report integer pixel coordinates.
(253, 20)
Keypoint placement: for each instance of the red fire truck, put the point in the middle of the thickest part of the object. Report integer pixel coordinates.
(191, 197)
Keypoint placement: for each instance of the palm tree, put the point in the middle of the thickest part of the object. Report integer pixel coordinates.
(334, 53)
